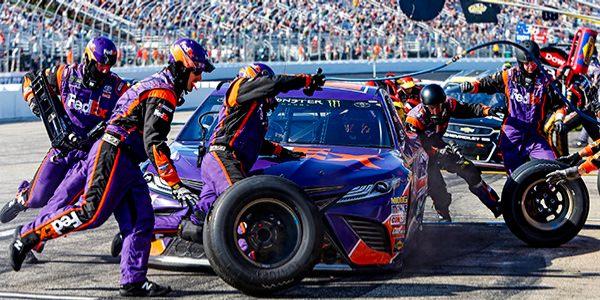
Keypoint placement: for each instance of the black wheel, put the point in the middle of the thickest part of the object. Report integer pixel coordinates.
(116, 245)
(263, 235)
(539, 215)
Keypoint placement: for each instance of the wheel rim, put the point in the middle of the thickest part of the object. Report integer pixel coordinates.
(267, 232)
(545, 209)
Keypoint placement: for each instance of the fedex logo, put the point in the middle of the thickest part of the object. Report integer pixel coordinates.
(520, 98)
(68, 221)
(91, 108)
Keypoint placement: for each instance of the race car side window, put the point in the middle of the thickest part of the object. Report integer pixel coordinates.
(397, 125)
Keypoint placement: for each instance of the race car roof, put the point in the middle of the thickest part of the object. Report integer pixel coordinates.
(332, 90)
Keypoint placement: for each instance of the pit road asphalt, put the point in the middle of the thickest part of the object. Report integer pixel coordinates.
(475, 257)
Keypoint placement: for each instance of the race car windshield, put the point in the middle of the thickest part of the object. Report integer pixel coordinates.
(313, 122)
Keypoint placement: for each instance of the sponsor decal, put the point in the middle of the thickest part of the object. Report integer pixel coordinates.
(467, 137)
(91, 108)
(397, 231)
(70, 221)
(334, 103)
(399, 200)
(398, 244)
(107, 89)
(395, 220)
(162, 111)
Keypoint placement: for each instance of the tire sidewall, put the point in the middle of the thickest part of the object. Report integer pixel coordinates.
(513, 215)
(223, 254)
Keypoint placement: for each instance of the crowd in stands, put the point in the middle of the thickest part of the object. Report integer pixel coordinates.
(33, 35)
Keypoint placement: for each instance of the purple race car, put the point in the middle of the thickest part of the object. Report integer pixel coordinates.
(354, 201)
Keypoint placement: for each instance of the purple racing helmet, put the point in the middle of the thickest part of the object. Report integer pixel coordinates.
(255, 70)
(191, 54)
(102, 50)
(100, 55)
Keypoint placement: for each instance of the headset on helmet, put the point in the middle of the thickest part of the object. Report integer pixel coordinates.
(187, 56)
(255, 70)
(100, 55)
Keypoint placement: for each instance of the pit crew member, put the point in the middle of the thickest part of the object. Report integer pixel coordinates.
(429, 120)
(137, 130)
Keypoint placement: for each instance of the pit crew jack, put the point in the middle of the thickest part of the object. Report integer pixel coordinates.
(86, 107)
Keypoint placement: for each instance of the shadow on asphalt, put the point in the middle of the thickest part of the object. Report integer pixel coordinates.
(467, 249)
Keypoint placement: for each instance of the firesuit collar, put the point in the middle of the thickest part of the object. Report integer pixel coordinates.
(93, 78)
(180, 76)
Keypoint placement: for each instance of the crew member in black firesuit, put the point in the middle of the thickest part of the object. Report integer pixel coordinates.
(240, 135)
(429, 120)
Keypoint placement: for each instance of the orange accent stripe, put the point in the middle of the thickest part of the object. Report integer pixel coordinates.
(588, 166)
(106, 189)
(233, 95)
(36, 229)
(36, 177)
(415, 122)
(169, 174)
(237, 133)
(164, 94)
(222, 168)
(59, 74)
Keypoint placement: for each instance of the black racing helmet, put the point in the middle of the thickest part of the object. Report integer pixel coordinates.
(433, 94)
(532, 47)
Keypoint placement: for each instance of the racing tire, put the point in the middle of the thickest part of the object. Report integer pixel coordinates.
(116, 245)
(539, 216)
(271, 217)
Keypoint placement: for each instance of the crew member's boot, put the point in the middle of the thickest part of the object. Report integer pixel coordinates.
(20, 248)
(488, 197)
(144, 289)
(12, 208)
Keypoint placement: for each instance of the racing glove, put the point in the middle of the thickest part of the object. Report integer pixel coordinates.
(571, 173)
(289, 154)
(182, 194)
(495, 111)
(314, 82)
(571, 160)
(466, 87)
(560, 127)
(34, 108)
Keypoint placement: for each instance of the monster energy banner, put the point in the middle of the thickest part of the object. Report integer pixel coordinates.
(420, 10)
(477, 12)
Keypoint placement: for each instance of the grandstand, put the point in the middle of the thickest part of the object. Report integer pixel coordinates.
(36, 33)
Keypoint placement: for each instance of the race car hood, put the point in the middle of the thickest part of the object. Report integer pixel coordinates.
(322, 166)
(495, 123)
(335, 166)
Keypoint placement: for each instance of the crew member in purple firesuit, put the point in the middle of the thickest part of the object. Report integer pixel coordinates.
(137, 131)
(239, 136)
(89, 92)
(529, 99)
(429, 121)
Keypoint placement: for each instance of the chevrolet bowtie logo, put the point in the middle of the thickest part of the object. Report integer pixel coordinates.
(467, 129)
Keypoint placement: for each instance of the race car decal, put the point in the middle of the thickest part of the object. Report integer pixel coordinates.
(361, 254)
(324, 154)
